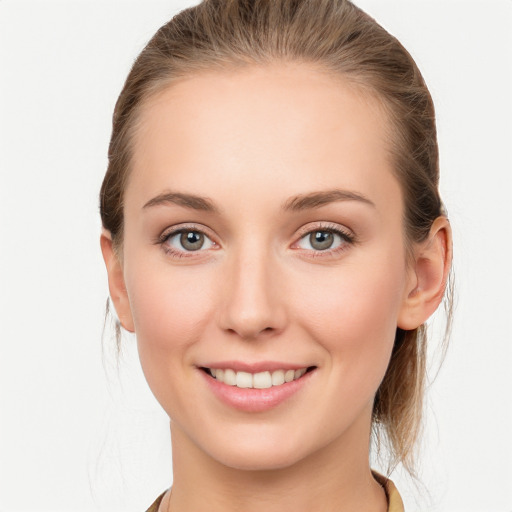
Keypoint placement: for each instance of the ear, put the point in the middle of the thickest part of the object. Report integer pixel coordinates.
(428, 277)
(116, 285)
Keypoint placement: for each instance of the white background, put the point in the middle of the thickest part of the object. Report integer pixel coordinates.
(79, 436)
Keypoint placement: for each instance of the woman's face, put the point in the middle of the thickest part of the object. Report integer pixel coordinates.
(263, 234)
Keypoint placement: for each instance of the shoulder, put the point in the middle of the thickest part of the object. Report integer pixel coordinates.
(156, 503)
(395, 503)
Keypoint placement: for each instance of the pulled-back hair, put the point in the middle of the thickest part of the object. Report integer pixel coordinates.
(338, 38)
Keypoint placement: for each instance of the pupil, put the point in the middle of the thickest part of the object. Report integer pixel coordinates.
(192, 240)
(321, 240)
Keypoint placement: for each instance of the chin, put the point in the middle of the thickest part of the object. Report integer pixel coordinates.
(262, 454)
(257, 461)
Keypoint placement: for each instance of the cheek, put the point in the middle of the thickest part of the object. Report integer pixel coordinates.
(353, 314)
(170, 308)
(165, 299)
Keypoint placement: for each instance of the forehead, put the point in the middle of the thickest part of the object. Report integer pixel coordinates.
(262, 126)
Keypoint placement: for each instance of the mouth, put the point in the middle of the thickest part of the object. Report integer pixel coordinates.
(260, 380)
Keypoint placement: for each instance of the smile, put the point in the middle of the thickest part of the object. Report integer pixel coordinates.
(259, 390)
(260, 380)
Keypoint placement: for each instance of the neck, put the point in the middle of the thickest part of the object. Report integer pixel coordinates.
(336, 478)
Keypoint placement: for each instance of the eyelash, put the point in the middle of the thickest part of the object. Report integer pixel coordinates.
(168, 234)
(347, 239)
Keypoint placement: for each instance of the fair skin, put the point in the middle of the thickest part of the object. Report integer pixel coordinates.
(260, 289)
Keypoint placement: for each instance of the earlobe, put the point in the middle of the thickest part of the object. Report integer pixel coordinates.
(428, 277)
(116, 283)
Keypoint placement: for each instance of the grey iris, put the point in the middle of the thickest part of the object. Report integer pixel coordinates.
(192, 240)
(321, 240)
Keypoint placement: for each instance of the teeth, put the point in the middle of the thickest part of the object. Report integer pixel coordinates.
(229, 377)
(300, 373)
(278, 378)
(261, 380)
(243, 380)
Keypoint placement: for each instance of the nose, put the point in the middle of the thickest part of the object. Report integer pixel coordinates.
(253, 296)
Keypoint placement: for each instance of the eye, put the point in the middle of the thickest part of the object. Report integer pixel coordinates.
(323, 239)
(183, 241)
(320, 240)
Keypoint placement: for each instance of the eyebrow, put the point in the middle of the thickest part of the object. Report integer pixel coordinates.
(318, 199)
(187, 200)
(297, 203)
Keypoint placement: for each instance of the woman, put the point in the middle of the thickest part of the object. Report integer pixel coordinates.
(274, 235)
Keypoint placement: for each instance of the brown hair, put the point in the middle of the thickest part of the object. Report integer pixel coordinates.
(338, 38)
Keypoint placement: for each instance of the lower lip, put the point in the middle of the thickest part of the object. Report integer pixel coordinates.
(255, 400)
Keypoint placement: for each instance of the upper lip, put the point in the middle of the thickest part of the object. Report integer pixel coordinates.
(255, 367)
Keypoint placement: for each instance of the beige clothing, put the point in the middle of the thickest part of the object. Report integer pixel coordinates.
(395, 503)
